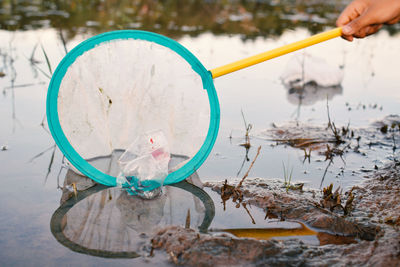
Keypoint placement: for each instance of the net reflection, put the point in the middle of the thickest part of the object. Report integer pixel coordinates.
(108, 222)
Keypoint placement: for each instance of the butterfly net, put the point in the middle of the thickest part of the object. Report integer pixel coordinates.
(133, 108)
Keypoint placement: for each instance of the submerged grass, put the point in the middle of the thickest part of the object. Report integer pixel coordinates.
(47, 60)
(247, 127)
(287, 175)
(246, 144)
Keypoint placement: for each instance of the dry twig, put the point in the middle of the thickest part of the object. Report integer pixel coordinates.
(248, 171)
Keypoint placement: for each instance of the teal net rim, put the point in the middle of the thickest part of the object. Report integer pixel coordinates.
(75, 158)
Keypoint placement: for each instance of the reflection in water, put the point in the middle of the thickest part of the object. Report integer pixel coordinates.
(8, 58)
(171, 18)
(311, 93)
(283, 230)
(108, 222)
(309, 79)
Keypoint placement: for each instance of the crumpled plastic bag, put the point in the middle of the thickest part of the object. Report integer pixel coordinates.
(144, 165)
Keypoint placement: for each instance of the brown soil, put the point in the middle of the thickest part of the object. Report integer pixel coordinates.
(374, 222)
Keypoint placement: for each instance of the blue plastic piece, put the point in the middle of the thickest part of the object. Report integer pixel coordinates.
(72, 155)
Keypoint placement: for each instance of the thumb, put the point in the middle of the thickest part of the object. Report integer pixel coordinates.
(355, 25)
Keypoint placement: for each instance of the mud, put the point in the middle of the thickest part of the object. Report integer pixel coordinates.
(341, 139)
(304, 206)
(373, 222)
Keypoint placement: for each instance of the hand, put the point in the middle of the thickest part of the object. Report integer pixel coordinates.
(364, 17)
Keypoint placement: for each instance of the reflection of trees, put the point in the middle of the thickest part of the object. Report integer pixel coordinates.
(171, 18)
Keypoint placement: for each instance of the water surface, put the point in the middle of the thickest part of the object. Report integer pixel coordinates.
(32, 167)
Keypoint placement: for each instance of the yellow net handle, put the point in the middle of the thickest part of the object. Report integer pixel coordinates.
(250, 61)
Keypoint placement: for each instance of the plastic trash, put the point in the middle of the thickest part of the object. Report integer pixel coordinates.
(144, 165)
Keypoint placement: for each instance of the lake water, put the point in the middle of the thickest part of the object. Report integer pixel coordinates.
(32, 167)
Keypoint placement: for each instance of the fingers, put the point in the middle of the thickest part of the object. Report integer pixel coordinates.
(394, 20)
(351, 12)
(348, 38)
(363, 32)
(349, 16)
(359, 25)
(368, 30)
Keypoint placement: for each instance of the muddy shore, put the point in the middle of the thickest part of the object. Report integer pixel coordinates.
(373, 225)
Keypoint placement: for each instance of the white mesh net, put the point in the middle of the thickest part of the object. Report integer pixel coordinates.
(122, 89)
